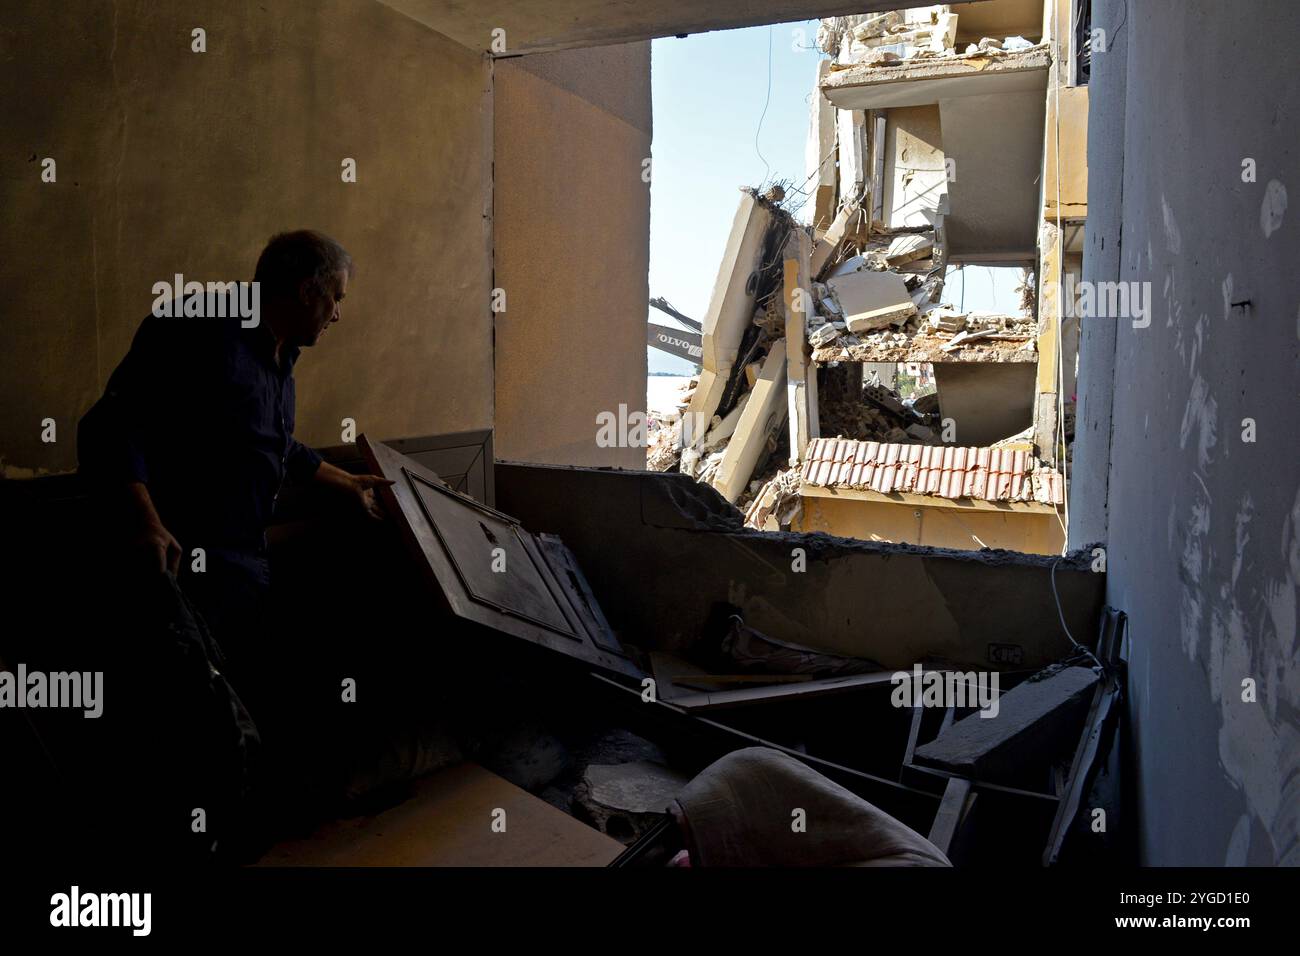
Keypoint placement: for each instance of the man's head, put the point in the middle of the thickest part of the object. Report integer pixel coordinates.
(303, 277)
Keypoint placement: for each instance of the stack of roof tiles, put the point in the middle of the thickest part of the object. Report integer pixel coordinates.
(989, 474)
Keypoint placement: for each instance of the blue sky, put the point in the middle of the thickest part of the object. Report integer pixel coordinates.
(709, 91)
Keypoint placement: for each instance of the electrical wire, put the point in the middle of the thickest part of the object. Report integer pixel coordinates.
(766, 102)
(1061, 613)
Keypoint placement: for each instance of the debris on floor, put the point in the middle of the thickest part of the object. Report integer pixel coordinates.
(626, 800)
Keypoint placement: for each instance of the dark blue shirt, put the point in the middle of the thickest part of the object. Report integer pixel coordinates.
(202, 414)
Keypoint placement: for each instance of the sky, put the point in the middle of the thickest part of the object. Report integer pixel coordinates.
(709, 94)
(709, 91)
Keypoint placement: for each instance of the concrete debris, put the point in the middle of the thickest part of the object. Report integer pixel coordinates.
(946, 320)
(989, 43)
(849, 409)
(625, 800)
(822, 334)
(883, 58)
(871, 300)
(938, 334)
(908, 247)
(926, 405)
(945, 33)
(637, 787)
(776, 501)
(851, 264)
(665, 447)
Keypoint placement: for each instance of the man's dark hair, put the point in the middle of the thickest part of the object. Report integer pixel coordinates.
(291, 257)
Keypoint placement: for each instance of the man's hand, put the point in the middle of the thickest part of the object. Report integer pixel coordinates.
(151, 538)
(162, 550)
(359, 487)
(363, 487)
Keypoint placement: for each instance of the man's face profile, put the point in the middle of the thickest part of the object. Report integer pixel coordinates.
(321, 306)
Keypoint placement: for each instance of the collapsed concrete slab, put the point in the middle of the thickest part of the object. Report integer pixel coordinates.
(820, 153)
(871, 300)
(731, 308)
(827, 244)
(801, 388)
(764, 414)
(924, 82)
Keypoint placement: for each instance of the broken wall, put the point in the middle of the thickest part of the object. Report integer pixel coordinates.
(915, 180)
(963, 528)
(173, 161)
(660, 550)
(572, 250)
(1203, 548)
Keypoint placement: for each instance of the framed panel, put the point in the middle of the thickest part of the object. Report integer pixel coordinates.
(489, 569)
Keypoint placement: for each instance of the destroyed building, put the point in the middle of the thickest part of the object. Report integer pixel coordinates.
(933, 145)
(1150, 672)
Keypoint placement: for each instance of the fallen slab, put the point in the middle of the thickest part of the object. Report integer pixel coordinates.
(871, 300)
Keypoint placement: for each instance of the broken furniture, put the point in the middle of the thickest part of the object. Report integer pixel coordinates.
(656, 553)
(1057, 726)
(489, 569)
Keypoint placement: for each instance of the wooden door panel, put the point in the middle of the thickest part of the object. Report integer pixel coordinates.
(540, 596)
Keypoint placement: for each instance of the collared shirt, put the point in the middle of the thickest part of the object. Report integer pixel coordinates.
(201, 413)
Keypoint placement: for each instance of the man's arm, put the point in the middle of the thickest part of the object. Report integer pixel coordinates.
(150, 535)
(305, 464)
(112, 439)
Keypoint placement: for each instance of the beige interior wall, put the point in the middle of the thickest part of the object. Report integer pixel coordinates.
(1000, 19)
(572, 250)
(968, 529)
(173, 161)
(986, 401)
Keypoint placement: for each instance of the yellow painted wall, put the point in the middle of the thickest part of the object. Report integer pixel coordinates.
(572, 250)
(1030, 532)
(173, 161)
(1073, 136)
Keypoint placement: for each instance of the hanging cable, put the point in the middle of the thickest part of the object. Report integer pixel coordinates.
(766, 101)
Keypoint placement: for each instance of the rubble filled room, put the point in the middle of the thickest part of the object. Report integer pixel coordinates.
(941, 517)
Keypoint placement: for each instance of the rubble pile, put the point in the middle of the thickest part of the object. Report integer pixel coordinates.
(665, 433)
(879, 298)
(777, 503)
(872, 412)
(720, 439)
(879, 290)
(893, 37)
